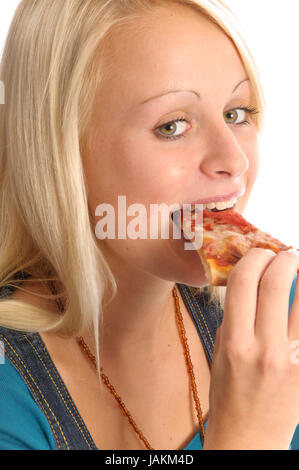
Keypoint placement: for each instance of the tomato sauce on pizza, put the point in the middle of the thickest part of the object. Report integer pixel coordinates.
(227, 236)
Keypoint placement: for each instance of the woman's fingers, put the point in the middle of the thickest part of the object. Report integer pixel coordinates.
(273, 299)
(241, 295)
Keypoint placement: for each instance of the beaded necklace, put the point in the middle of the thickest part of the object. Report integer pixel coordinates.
(112, 390)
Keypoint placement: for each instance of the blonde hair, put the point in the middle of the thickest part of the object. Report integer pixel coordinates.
(51, 68)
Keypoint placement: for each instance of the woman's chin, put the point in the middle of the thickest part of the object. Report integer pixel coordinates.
(191, 270)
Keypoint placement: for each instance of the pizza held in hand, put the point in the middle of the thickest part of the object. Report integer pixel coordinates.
(226, 237)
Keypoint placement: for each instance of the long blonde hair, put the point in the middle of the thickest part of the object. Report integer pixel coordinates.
(51, 68)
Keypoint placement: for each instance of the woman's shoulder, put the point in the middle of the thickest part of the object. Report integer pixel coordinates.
(23, 426)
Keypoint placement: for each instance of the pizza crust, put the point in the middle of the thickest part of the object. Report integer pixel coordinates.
(216, 275)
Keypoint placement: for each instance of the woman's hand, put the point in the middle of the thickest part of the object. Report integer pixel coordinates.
(254, 391)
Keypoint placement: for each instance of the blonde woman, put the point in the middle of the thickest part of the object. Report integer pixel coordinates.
(108, 342)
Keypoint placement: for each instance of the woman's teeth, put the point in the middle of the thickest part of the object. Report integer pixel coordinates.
(220, 206)
(213, 206)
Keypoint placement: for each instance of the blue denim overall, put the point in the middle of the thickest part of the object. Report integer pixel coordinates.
(28, 353)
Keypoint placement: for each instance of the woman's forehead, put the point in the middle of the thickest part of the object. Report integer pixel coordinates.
(170, 51)
(149, 39)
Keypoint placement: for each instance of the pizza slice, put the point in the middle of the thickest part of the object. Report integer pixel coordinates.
(226, 237)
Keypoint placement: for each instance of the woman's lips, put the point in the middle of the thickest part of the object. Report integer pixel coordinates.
(223, 210)
(219, 198)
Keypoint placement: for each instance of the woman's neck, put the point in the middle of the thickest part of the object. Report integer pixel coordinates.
(142, 311)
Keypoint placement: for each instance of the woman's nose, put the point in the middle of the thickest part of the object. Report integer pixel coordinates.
(223, 154)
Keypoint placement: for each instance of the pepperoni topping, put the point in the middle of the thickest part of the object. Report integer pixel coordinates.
(228, 218)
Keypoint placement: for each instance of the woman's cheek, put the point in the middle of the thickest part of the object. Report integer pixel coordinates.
(254, 162)
(250, 176)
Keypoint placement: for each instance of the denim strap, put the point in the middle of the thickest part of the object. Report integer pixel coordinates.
(207, 316)
(28, 354)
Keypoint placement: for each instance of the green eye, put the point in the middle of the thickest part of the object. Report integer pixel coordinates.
(174, 129)
(170, 128)
(233, 115)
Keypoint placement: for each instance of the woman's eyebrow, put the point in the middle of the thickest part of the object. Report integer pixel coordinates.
(243, 81)
(188, 91)
(168, 93)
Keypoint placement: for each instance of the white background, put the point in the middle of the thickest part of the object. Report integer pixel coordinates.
(271, 30)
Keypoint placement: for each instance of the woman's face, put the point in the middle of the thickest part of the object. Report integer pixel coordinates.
(175, 67)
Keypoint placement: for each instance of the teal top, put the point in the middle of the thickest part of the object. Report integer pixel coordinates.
(23, 425)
